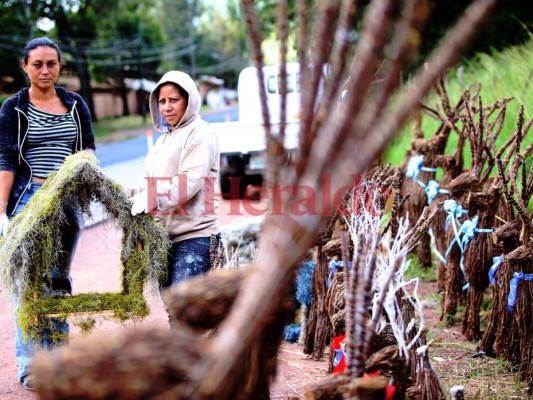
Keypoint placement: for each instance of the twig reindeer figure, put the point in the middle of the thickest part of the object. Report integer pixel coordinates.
(452, 165)
(480, 205)
(473, 196)
(432, 149)
(362, 122)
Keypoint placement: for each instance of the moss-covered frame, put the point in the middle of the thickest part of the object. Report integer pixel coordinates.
(29, 248)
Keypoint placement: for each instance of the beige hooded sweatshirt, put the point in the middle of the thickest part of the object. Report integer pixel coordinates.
(183, 166)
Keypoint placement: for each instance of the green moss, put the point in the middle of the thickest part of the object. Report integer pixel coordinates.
(30, 249)
(86, 325)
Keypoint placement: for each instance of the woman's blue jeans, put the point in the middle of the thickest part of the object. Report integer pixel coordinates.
(58, 282)
(188, 258)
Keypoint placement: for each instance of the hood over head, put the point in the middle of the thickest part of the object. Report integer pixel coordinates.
(193, 105)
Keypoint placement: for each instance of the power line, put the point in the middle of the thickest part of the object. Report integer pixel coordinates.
(125, 51)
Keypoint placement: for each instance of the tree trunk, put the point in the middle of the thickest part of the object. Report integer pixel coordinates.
(123, 93)
(85, 83)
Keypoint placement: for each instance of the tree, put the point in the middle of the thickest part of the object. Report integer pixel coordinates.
(511, 25)
(221, 38)
(177, 19)
(129, 45)
(76, 25)
(17, 26)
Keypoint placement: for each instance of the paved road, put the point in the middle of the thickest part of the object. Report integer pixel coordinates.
(137, 146)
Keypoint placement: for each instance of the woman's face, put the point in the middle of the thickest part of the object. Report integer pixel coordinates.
(172, 104)
(43, 67)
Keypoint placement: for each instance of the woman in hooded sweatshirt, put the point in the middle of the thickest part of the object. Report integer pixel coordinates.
(181, 175)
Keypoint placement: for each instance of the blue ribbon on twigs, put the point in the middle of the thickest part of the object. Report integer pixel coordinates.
(465, 234)
(333, 265)
(496, 262)
(415, 166)
(513, 288)
(454, 210)
(433, 189)
(469, 229)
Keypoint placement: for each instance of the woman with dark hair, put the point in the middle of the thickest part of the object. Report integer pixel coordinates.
(39, 127)
(182, 172)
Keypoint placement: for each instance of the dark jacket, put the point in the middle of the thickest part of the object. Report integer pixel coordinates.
(14, 128)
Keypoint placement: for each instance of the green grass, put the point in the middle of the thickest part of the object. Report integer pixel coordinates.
(483, 378)
(416, 271)
(500, 75)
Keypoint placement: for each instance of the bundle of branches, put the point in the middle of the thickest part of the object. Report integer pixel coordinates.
(512, 314)
(469, 254)
(374, 307)
(427, 384)
(367, 194)
(432, 149)
(482, 132)
(361, 195)
(454, 282)
(452, 166)
(344, 120)
(368, 197)
(32, 247)
(508, 235)
(316, 331)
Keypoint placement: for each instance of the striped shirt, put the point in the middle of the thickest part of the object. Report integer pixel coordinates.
(50, 139)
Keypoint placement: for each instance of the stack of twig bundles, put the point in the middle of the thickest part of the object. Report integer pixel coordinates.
(364, 286)
(364, 197)
(361, 120)
(479, 127)
(509, 330)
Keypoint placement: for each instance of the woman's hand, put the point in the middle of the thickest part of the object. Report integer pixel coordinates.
(141, 203)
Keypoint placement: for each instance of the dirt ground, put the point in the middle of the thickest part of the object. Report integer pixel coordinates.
(96, 268)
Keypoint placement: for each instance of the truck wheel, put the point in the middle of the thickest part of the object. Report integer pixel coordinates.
(228, 183)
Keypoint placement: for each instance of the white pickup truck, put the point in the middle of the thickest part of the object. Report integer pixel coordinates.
(242, 143)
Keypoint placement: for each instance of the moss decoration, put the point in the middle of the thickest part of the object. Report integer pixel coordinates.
(29, 248)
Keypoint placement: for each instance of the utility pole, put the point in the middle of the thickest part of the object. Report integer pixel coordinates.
(29, 22)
